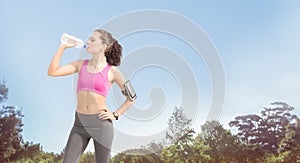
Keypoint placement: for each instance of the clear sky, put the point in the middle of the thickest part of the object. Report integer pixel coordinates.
(257, 41)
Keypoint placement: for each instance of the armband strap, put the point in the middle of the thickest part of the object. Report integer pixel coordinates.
(129, 91)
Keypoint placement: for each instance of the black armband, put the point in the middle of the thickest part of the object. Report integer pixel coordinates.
(129, 91)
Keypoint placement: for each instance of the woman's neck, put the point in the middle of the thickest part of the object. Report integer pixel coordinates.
(98, 60)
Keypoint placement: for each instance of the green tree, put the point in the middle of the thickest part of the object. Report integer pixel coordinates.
(193, 151)
(223, 145)
(87, 157)
(154, 149)
(179, 127)
(3, 91)
(29, 151)
(10, 127)
(289, 146)
(10, 132)
(183, 146)
(198, 150)
(149, 153)
(179, 133)
(134, 156)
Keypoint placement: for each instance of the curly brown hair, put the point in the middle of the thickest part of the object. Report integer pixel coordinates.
(113, 52)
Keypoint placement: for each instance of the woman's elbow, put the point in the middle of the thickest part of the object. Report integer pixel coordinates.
(130, 101)
(51, 73)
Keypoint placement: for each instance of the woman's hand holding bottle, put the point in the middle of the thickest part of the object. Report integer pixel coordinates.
(69, 41)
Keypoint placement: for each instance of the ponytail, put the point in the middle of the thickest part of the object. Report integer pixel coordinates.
(113, 54)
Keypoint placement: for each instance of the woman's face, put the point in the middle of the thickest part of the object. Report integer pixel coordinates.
(94, 44)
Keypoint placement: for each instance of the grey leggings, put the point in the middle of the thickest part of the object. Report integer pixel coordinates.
(87, 126)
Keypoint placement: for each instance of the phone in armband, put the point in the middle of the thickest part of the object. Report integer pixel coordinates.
(129, 91)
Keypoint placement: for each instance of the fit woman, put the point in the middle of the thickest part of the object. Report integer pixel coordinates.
(92, 117)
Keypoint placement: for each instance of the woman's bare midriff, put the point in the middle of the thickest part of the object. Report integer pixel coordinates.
(90, 103)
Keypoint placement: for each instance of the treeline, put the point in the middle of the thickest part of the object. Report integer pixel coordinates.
(271, 136)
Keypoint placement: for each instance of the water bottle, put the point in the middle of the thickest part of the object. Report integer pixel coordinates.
(67, 39)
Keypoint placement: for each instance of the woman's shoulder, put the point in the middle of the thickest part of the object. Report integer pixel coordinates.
(78, 63)
(113, 68)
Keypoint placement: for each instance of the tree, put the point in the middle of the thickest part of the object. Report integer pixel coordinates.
(179, 134)
(289, 146)
(29, 151)
(198, 150)
(149, 153)
(87, 157)
(183, 146)
(223, 145)
(276, 120)
(251, 128)
(10, 132)
(154, 149)
(179, 127)
(10, 127)
(134, 156)
(267, 130)
(193, 151)
(3, 91)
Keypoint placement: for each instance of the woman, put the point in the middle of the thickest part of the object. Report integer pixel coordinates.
(92, 117)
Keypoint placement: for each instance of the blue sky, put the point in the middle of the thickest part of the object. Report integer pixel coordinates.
(258, 42)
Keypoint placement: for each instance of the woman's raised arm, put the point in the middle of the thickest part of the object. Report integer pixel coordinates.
(56, 70)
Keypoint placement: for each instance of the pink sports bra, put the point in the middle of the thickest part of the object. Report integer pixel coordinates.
(95, 82)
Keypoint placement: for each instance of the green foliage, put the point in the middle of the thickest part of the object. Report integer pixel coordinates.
(271, 158)
(10, 132)
(87, 157)
(135, 156)
(198, 150)
(3, 92)
(154, 150)
(183, 146)
(289, 146)
(179, 127)
(193, 151)
(223, 145)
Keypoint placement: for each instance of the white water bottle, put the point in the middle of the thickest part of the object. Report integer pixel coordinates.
(67, 39)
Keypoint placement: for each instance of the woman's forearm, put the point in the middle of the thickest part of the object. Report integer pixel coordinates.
(124, 107)
(54, 65)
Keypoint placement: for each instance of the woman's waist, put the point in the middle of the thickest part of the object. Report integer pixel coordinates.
(91, 109)
(89, 120)
(91, 104)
